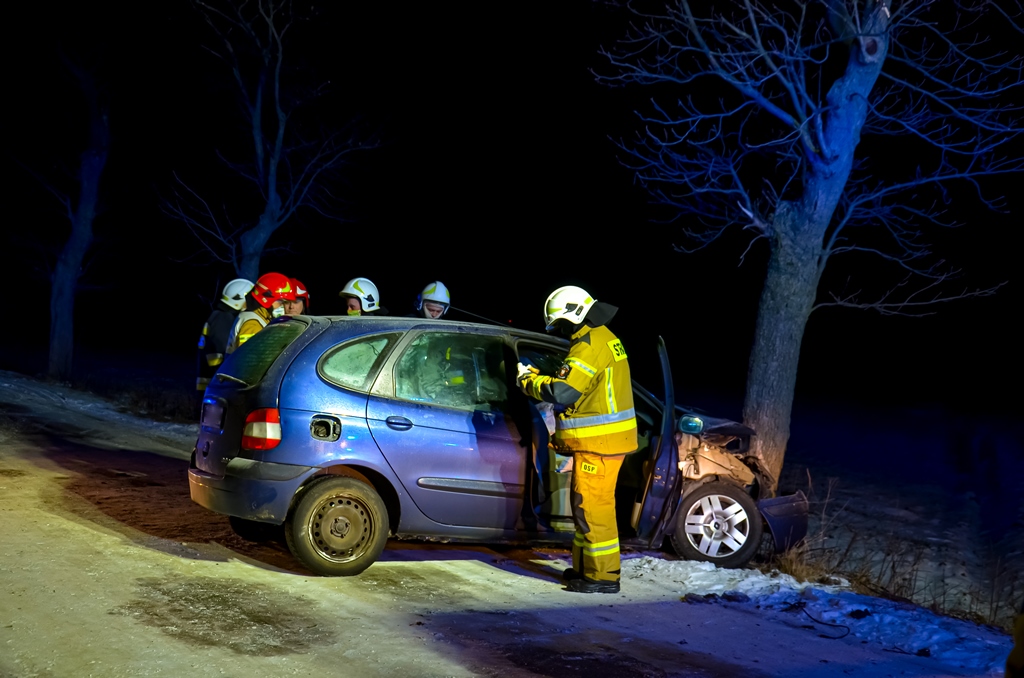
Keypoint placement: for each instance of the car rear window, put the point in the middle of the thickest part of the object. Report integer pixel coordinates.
(251, 360)
(354, 364)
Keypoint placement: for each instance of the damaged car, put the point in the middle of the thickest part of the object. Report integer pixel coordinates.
(348, 431)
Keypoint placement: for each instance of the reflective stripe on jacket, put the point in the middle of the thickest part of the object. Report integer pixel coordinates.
(595, 382)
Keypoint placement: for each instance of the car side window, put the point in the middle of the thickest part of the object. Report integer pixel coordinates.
(545, 359)
(354, 364)
(457, 370)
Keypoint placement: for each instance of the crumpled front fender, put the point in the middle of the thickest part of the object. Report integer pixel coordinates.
(786, 518)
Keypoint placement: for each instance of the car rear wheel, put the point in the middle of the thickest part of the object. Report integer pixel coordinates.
(718, 523)
(339, 527)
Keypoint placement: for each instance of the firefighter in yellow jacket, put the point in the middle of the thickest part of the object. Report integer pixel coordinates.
(598, 428)
(264, 303)
(213, 342)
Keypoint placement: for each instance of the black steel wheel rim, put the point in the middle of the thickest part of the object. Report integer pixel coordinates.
(341, 528)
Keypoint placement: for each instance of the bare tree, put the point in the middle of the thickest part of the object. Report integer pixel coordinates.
(289, 166)
(770, 101)
(80, 207)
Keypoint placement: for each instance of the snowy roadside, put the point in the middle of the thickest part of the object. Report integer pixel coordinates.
(949, 646)
(58, 404)
(834, 611)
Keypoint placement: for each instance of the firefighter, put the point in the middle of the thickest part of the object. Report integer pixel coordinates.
(433, 301)
(300, 305)
(213, 342)
(362, 297)
(264, 303)
(598, 427)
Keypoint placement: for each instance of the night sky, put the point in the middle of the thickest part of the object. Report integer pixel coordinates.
(495, 174)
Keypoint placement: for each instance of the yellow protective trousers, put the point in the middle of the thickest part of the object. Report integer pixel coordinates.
(595, 549)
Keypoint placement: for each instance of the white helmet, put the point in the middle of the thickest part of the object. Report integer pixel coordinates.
(437, 293)
(570, 303)
(234, 293)
(363, 290)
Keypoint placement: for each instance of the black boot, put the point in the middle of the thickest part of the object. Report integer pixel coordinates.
(568, 574)
(584, 585)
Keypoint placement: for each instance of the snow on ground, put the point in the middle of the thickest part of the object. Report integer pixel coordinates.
(833, 611)
(39, 396)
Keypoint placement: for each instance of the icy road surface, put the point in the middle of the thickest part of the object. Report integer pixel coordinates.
(108, 569)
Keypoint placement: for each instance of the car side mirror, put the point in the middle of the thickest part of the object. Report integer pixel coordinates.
(691, 424)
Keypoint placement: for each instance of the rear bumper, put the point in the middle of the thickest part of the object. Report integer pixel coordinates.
(253, 490)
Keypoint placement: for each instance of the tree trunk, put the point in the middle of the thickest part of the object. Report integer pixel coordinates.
(249, 265)
(62, 294)
(797, 241)
(253, 243)
(790, 287)
(67, 272)
(62, 309)
(69, 263)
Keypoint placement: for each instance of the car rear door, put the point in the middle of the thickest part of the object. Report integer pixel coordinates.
(438, 412)
(247, 380)
(661, 492)
(323, 401)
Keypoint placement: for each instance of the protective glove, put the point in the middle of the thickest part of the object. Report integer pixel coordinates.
(524, 371)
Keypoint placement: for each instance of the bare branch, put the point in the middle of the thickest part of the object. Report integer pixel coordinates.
(919, 302)
(804, 81)
(294, 160)
(62, 197)
(1013, 20)
(190, 208)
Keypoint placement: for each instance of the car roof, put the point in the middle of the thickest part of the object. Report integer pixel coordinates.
(389, 322)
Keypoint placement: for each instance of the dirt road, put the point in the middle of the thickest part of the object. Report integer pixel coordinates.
(108, 569)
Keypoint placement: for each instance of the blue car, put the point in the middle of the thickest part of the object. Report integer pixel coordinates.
(351, 430)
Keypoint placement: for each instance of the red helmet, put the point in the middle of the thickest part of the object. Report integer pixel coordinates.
(273, 286)
(301, 292)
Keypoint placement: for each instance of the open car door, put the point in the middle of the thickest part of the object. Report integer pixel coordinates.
(661, 491)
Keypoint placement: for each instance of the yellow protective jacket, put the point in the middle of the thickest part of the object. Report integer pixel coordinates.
(248, 324)
(594, 382)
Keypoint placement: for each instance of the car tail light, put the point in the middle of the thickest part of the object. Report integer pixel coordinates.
(262, 429)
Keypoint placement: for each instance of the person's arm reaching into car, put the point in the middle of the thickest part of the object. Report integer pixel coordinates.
(566, 387)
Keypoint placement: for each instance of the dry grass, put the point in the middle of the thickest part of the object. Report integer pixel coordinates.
(159, 401)
(888, 566)
(177, 406)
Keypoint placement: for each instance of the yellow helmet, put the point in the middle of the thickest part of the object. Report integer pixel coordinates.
(570, 303)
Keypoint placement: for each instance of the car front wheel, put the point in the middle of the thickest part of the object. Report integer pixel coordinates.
(339, 527)
(718, 523)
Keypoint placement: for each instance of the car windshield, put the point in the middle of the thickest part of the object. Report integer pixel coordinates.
(250, 361)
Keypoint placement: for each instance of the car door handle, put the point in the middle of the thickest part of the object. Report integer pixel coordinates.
(398, 423)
